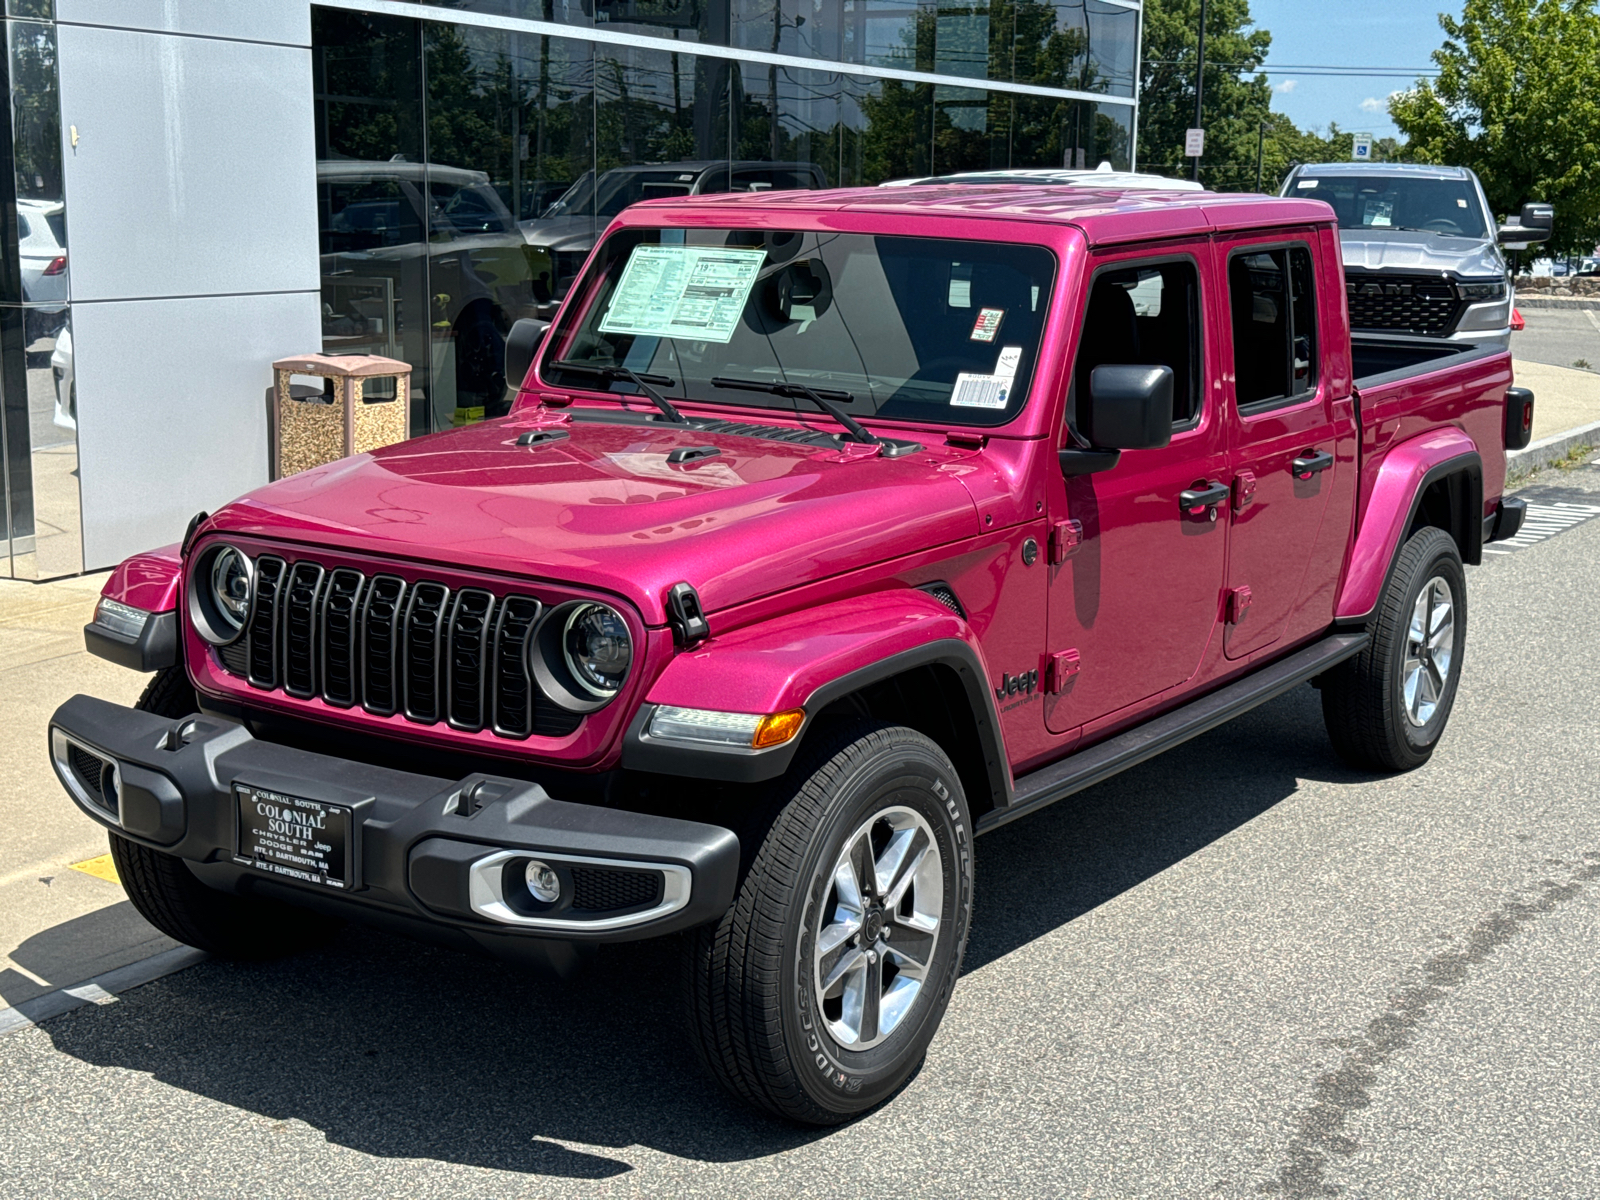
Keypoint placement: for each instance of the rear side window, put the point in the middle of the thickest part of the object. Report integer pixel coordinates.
(1146, 314)
(1273, 300)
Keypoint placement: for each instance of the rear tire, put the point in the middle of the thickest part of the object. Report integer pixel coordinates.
(817, 994)
(168, 895)
(1387, 707)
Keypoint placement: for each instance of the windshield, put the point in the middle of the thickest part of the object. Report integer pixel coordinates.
(917, 329)
(618, 189)
(1447, 206)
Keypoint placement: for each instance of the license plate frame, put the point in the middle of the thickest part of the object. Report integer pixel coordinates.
(294, 837)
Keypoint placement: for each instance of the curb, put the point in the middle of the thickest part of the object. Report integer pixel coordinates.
(1551, 449)
(1534, 300)
(100, 990)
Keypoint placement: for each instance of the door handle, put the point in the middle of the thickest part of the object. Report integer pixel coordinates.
(1192, 500)
(1308, 465)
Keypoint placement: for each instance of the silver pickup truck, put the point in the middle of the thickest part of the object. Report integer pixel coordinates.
(1422, 252)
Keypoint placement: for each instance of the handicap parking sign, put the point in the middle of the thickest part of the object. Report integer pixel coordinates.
(1361, 147)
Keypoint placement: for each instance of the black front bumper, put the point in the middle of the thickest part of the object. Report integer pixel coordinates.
(446, 853)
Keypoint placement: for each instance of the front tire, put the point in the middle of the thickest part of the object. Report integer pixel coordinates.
(817, 994)
(168, 895)
(1387, 707)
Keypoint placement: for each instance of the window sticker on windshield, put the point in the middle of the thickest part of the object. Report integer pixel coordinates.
(1460, 203)
(988, 391)
(1378, 213)
(1306, 183)
(987, 324)
(696, 292)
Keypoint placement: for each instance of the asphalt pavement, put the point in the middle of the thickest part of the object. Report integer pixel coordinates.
(1559, 337)
(1241, 969)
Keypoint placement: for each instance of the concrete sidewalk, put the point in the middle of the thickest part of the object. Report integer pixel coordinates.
(60, 923)
(1566, 413)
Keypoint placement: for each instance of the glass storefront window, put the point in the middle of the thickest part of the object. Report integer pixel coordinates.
(39, 430)
(465, 173)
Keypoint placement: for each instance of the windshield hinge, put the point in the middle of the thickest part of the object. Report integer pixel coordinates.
(966, 439)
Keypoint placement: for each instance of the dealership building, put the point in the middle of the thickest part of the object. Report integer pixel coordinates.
(200, 187)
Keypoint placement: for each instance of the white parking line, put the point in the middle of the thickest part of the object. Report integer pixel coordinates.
(102, 989)
(1545, 521)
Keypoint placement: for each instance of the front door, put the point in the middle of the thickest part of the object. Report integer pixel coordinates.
(1283, 455)
(1136, 577)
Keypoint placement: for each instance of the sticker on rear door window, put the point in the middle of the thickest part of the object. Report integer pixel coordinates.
(987, 324)
(695, 292)
(988, 391)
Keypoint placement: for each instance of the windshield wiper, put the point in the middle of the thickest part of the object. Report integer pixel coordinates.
(612, 373)
(823, 400)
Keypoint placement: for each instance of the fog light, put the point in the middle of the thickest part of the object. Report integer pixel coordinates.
(544, 885)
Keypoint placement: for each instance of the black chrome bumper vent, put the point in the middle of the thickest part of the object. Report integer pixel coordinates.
(389, 646)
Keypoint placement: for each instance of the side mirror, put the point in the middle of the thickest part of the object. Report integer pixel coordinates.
(522, 345)
(1534, 224)
(1128, 408)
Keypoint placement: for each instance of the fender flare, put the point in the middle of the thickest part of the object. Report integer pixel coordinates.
(1407, 471)
(808, 660)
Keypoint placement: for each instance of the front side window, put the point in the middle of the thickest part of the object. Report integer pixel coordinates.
(1147, 314)
(919, 329)
(1272, 296)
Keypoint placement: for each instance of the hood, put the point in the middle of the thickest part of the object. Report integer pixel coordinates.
(603, 508)
(564, 233)
(1407, 250)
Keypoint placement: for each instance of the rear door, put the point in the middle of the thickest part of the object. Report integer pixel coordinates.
(1134, 577)
(1283, 453)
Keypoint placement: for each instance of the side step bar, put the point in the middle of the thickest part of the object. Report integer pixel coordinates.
(1105, 759)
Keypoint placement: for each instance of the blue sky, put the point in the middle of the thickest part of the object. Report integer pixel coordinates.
(1346, 33)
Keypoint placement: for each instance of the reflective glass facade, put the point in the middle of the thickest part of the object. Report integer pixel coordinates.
(466, 167)
(38, 428)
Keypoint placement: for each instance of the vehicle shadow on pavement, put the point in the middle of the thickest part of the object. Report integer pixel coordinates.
(396, 1049)
(1046, 870)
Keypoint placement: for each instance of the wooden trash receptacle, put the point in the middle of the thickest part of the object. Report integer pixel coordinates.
(308, 431)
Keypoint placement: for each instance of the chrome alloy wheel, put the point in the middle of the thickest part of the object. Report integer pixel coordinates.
(877, 928)
(1430, 642)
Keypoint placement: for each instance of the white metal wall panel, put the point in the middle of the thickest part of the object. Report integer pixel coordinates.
(161, 437)
(286, 21)
(195, 169)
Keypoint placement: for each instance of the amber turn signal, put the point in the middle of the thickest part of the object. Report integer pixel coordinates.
(777, 728)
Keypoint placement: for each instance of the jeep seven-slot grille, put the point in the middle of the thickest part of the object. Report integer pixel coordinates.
(1392, 303)
(388, 646)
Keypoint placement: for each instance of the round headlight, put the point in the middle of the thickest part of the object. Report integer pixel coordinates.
(597, 649)
(230, 586)
(222, 592)
(579, 655)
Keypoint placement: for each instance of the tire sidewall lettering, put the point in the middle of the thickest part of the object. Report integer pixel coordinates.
(827, 1062)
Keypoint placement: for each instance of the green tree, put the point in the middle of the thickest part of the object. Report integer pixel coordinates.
(1517, 99)
(1237, 97)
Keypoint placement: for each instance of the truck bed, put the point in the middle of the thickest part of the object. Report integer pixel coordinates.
(1377, 361)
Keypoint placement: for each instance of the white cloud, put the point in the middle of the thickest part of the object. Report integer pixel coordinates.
(1372, 105)
(1287, 86)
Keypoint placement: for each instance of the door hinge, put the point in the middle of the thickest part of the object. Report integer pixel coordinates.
(1244, 489)
(1065, 537)
(1060, 667)
(1238, 604)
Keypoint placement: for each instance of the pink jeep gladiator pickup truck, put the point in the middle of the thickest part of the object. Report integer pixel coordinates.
(828, 530)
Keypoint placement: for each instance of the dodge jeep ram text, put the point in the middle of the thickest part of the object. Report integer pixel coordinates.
(828, 530)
